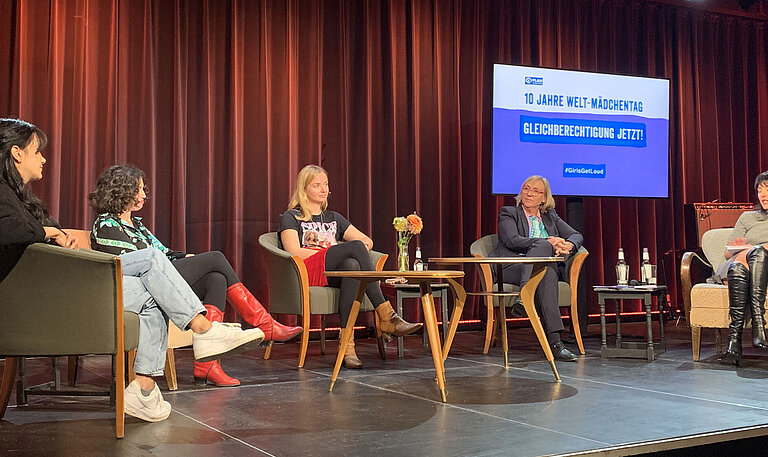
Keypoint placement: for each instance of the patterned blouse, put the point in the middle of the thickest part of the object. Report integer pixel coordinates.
(115, 236)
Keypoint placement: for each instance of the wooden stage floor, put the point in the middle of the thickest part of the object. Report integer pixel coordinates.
(392, 408)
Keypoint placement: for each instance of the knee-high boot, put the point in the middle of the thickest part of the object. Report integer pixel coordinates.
(255, 314)
(211, 372)
(757, 258)
(738, 296)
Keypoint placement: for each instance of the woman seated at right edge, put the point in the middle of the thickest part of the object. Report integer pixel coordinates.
(747, 271)
(533, 229)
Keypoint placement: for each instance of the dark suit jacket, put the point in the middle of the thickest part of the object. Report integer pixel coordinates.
(514, 230)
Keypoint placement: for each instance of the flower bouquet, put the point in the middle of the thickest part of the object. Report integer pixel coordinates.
(406, 227)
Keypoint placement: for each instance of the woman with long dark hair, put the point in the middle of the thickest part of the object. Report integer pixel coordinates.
(120, 191)
(746, 270)
(151, 286)
(326, 240)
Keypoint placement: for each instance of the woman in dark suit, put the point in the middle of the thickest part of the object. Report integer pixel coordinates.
(533, 229)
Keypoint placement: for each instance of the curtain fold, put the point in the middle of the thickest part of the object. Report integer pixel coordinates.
(221, 102)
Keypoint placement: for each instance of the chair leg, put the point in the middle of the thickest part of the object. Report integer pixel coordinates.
(696, 342)
(719, 340)
(489, 327)
(73, 363)
(379, 338)
(9, 375)
(322, 334)
(129, 367)
(268, 351)
(170, 370)
(21, 382)
(304, 340)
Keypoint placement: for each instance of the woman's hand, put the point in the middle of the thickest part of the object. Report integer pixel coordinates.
(740, 242)
(59, 237)
(564, 248)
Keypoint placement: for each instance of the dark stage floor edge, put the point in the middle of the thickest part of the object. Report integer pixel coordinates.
(604, 407)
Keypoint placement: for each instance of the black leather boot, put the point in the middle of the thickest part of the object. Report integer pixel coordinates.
(738, 296)
(757, 259)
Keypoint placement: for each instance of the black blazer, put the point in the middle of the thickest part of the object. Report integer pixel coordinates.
(18, 229)
(514, 230)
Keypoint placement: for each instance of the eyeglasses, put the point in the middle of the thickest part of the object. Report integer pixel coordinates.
(531, 190)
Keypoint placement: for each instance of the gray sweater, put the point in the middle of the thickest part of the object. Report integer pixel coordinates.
(752, 226)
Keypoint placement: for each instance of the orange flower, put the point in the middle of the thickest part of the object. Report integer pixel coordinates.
(415, 223)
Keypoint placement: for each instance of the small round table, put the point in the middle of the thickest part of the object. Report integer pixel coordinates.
(526, 295)
(423, 279)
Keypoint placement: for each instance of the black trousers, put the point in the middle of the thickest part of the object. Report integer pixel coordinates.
(210, 275)
(351, 256)
(546, 293)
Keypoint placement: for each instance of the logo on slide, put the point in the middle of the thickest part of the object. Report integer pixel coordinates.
(534, 81)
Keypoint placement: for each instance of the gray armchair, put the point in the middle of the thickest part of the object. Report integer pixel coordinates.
(567, 290)
(290, 293)
(62, 302)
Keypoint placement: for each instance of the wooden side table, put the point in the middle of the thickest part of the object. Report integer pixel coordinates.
(424, 279)
(527, 294)
(408, 290)
(640, 350)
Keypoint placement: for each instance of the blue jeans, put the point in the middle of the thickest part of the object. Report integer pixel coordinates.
(153, 289)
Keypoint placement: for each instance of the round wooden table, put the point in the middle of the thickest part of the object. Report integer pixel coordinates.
(423, 279)
(526, 295)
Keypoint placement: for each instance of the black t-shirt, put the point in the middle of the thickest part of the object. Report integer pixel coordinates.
(324, 230)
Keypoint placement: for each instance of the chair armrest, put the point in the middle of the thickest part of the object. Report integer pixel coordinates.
(378, 259)
(694, 269)
(574, 271)
(59, 301)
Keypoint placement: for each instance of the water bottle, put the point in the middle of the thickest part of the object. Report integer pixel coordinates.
(418, 265)
(622, 270)
(645, 267)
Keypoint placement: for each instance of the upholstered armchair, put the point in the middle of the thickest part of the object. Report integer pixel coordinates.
(567, 290)
(290, 293)
(706, 304)
(61, 302)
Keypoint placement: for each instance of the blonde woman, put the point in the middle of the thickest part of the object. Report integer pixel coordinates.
(326, 240)
(533, 229)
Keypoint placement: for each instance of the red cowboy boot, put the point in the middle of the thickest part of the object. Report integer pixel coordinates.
(211, 372)
(251, 310)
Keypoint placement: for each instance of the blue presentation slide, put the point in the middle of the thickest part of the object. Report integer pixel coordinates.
(589, 134)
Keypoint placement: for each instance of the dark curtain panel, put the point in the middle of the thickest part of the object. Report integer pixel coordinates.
(222, 102)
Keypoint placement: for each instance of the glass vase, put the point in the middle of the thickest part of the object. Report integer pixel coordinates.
(403, 264)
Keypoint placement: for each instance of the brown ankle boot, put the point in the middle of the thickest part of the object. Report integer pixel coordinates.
(350, 357)
(392, 324)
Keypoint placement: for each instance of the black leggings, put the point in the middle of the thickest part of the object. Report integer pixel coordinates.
(210, 275)
(351, 256)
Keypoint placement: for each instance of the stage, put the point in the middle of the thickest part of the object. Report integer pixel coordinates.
(602, 407)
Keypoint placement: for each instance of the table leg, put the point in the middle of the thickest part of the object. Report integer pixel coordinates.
(619, 304)
(603, 343)
(444, 308)
(502, 314)
(662, 301)
(459, 297)
(399, 313)
(428, 304)
(527, 296)
(348, 331)
(649, 324)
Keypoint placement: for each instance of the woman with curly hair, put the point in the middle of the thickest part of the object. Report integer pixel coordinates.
(309, 230)
(151, 287)
(120, 191)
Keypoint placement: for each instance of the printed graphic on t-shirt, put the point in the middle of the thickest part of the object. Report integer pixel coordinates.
(318, 235)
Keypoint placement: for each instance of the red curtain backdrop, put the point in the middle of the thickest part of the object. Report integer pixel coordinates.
(222, 102)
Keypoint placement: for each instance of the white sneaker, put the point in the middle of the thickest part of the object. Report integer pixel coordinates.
(151, 409)
(223, 340)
